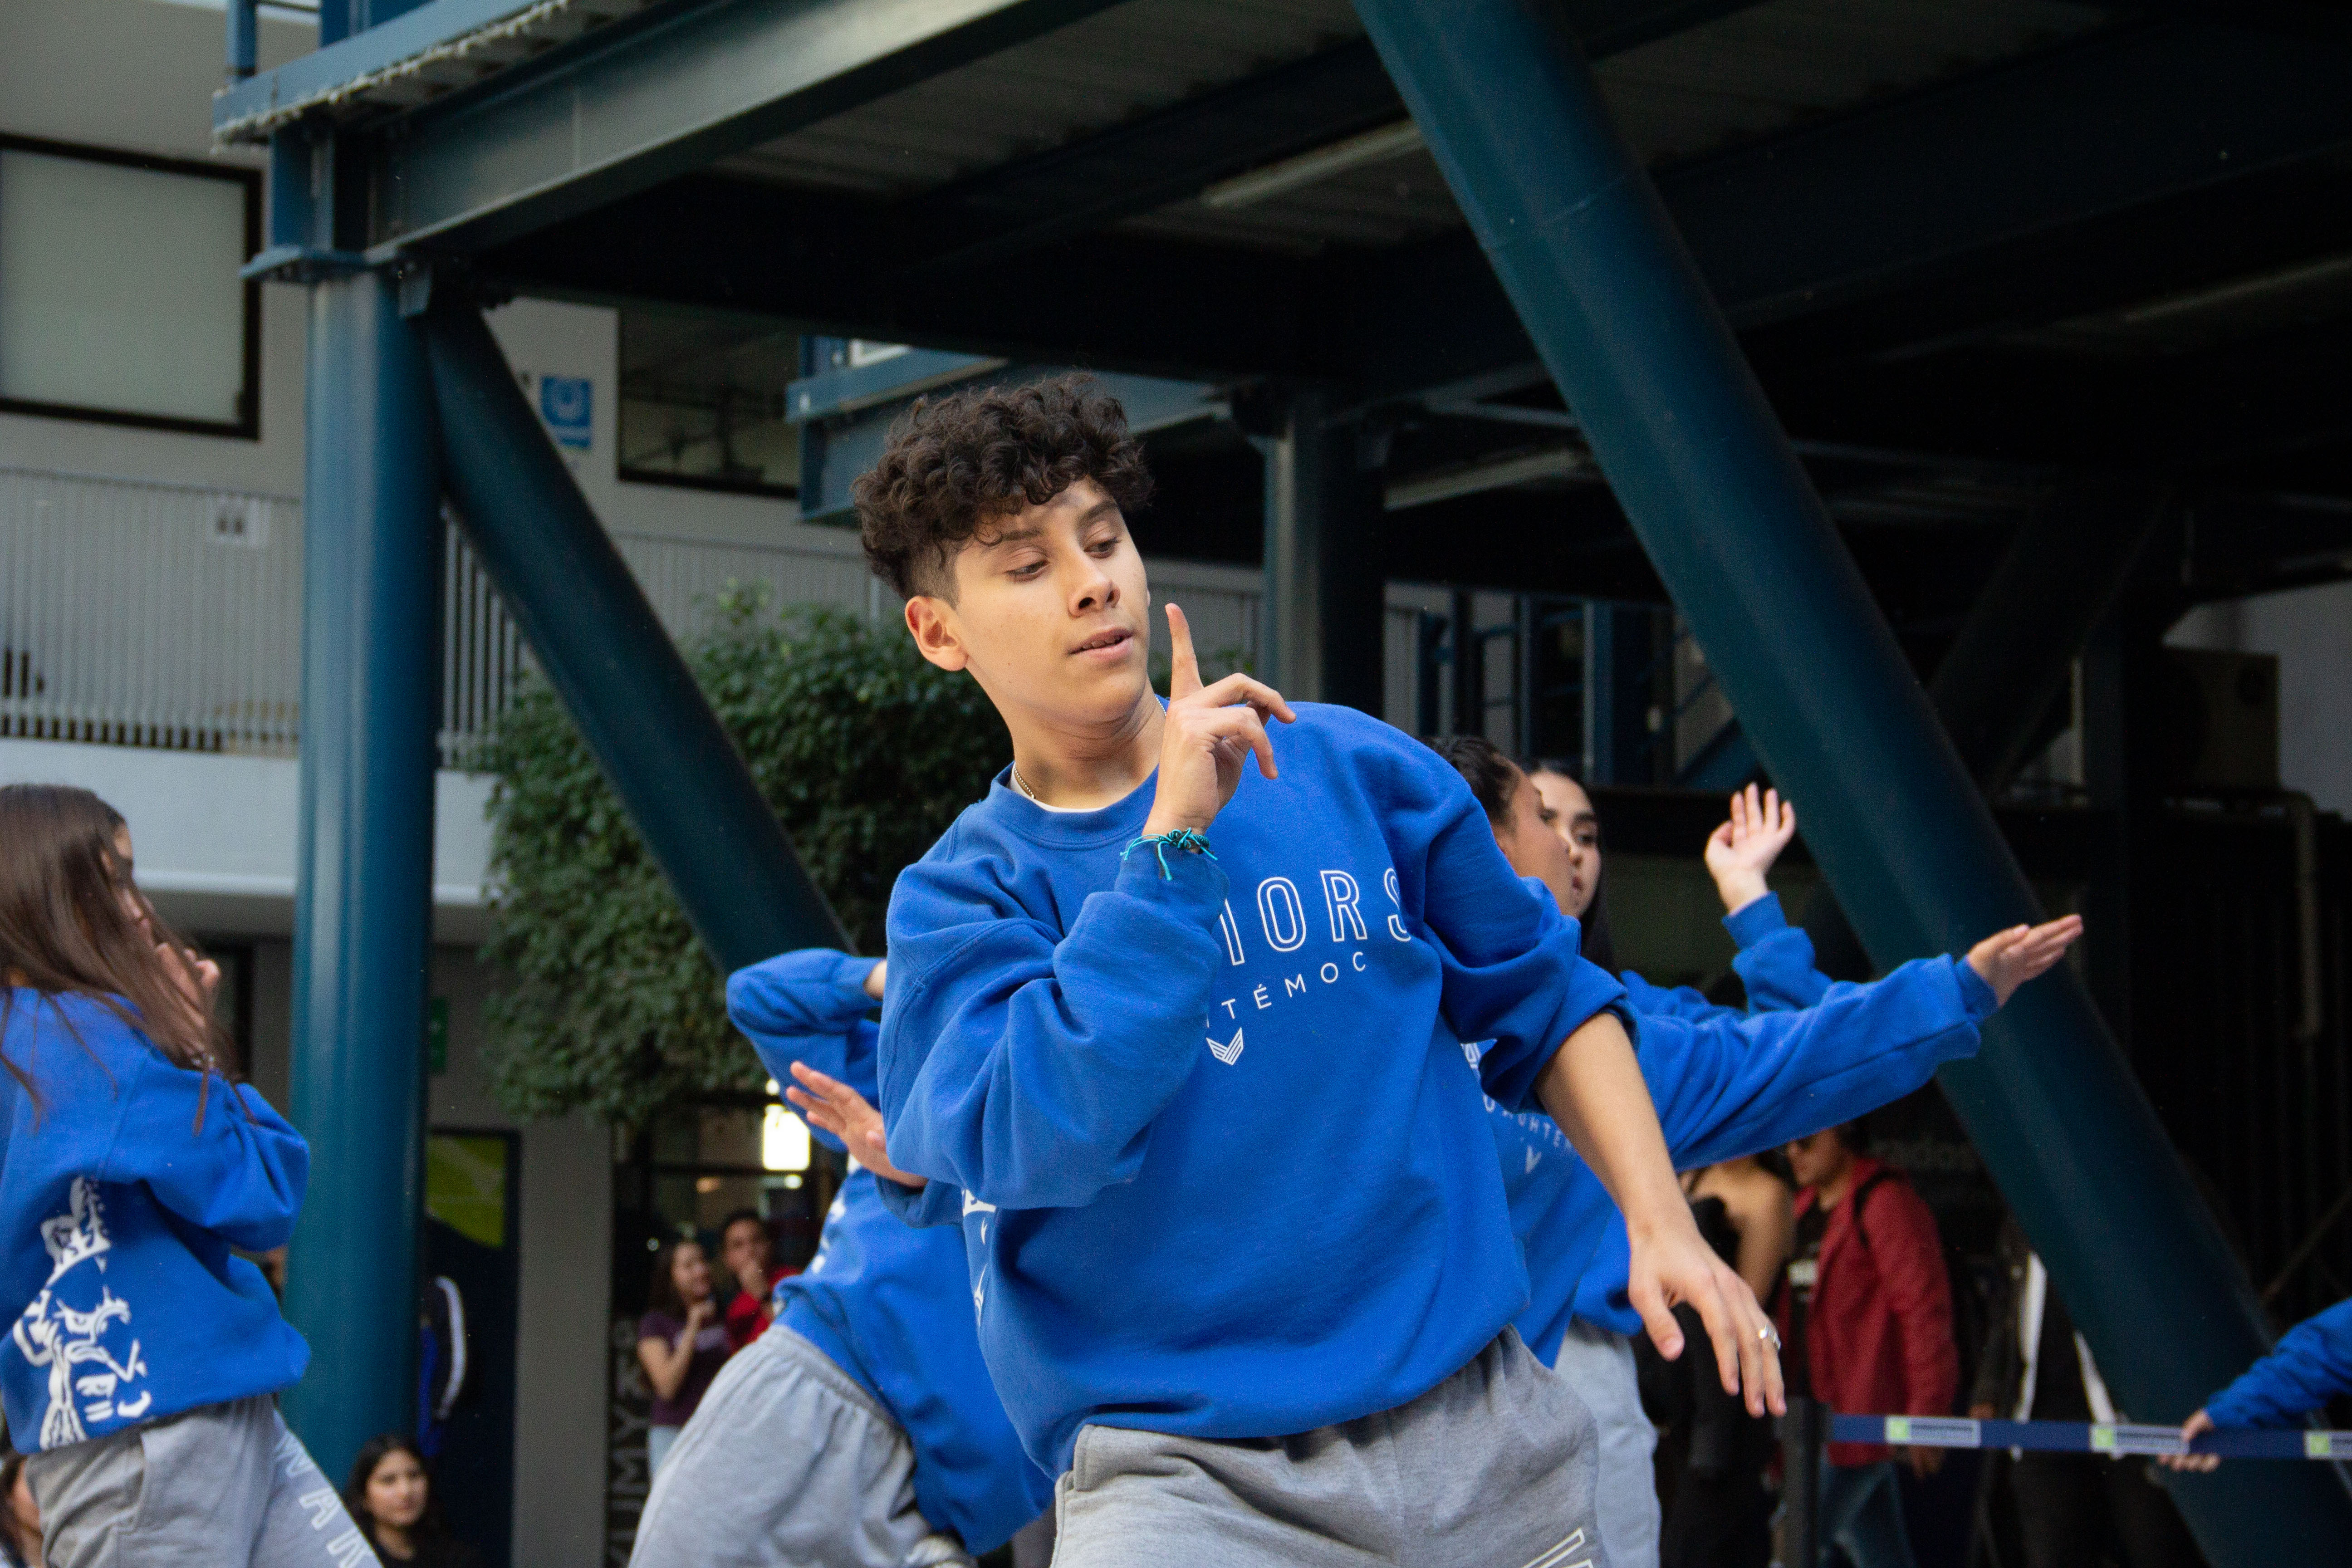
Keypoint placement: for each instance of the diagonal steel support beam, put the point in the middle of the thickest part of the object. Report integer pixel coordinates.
(634, 103)
(1585, 249)
(2014, 653)
(2012, 658)
(635, 702)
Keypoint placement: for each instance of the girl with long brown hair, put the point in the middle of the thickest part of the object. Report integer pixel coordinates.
(139, 1372)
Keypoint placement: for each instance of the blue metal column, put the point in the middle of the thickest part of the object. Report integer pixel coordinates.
(1467, 650)
(1575, 231)
(1324, 611)
(362, 918)
(620, 677)
(1617, 699)
(2011, 662)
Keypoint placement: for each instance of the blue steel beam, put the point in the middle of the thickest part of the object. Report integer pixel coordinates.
(1322, 612)
(1149, 161)
(2014, 653)
(637, 102)
(347, 54)
(608, 656)
(2021, 153)
(1581, 243)
(363, 917)
(1120, 301)
(1770, 225)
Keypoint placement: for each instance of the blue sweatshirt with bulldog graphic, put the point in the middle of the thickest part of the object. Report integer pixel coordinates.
(125, 1179)
(1212, 1115)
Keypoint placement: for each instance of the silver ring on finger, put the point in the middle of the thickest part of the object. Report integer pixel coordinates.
(1770, 1335)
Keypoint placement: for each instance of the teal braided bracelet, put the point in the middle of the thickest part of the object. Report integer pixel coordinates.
(1187, 840)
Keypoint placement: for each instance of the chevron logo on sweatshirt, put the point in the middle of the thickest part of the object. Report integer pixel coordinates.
(1226, 1051)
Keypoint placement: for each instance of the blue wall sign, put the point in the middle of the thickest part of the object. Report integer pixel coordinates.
(567, 404)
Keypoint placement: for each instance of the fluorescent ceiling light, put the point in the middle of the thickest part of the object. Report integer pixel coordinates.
(2308, 275)
(1448, 484)
(1375, 146)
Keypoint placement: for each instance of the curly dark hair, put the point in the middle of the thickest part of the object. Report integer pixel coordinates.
(953, 465)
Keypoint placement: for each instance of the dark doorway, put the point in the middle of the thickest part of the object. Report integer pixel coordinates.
(472, 1204)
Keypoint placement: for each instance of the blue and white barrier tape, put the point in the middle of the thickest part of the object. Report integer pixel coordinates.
(2087, 1437)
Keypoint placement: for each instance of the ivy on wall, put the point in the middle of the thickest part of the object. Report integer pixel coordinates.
(610, 1005)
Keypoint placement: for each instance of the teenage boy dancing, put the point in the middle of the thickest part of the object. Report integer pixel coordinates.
(1192, 1042)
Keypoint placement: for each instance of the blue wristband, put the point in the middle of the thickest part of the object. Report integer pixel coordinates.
(1186, 840)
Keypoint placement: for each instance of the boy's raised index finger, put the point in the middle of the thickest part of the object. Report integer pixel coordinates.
(1183, 666)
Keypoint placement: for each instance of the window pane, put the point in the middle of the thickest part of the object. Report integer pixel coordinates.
(702, 399)
(119, 287)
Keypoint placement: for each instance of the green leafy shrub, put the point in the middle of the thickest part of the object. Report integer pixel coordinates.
(865, 751)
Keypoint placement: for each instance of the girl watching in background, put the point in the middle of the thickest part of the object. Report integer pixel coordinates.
(681, 1343)
(140, 1370)
(392, 1495)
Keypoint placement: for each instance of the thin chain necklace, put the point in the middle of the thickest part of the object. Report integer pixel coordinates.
(1022, 785)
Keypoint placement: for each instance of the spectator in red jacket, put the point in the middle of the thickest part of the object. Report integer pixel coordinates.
(1868, 1319)
(747, 1250)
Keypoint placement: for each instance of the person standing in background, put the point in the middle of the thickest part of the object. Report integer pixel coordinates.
(1757, 1209)
(2070, 1507)
(681, 1344)
(391, 1495)
(1868, 1321)
(748, 1251)
(1717, 1513)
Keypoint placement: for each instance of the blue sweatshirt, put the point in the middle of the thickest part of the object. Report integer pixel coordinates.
(889, 1304)
(1213, 1119)
(119, 1212)
(1726, 1086)
(1775, 961)
(2311, 1365)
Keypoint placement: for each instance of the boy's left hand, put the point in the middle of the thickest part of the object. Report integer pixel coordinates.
(844, 1113)
(1678, 1268)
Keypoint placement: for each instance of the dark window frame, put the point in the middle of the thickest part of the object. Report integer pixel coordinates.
(246, 426)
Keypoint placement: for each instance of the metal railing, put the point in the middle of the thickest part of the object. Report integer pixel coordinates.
(167, 616)
(149, 614)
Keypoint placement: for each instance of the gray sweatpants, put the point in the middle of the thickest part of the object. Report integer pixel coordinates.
(1599, 1364)
(222, 1486)
(787, 1463)
(1492, 1469)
